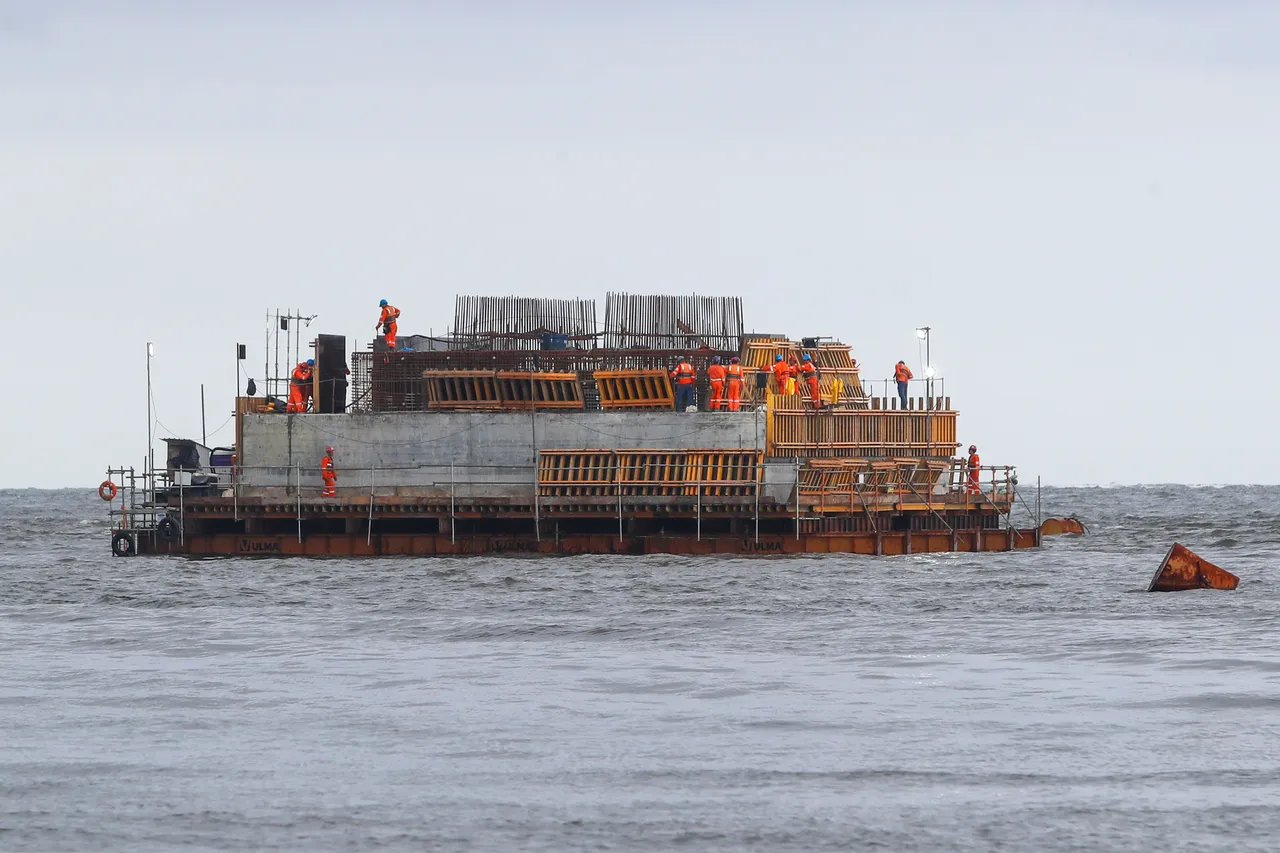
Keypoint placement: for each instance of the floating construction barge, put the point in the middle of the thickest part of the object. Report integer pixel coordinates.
(527, 429)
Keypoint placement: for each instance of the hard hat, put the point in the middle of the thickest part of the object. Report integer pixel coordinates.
(806, 357)
(715, 359)
(311, 362)
(973, 448)
(329, 449)
(777, 358)
(382, 302)
(733, 360)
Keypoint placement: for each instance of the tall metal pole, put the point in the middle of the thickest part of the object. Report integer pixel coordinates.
(151, 456)
(204, 435)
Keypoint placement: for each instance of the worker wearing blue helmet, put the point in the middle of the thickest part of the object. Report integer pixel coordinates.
(387, 322)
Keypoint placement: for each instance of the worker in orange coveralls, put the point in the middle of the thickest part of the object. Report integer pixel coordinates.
(733, 384)
(326, 472)
(300, 386)
(715, 376)
(684, 378)
(781, 373)
(387, 323)
(810, 374)
(793, 371)
(975, 467)
(902, 375)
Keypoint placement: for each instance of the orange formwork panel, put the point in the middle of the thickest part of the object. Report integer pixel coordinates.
(635, 389)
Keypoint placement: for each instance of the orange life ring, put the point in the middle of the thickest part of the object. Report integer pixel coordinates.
(107, 491)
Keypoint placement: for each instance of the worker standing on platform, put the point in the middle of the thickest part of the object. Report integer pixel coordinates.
(793, 371)
(902, 375)
(387, 323)
(781, 372)
(715, 376)
(810, 374)
(300, 386)
(975, 468)
(733, 383)
(326, 472)
(683, 378)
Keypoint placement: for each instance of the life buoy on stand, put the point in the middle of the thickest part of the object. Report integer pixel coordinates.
(168, 529)
(122, 544)
(107, 491)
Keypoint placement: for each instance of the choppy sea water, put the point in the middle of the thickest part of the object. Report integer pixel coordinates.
(1030, 701)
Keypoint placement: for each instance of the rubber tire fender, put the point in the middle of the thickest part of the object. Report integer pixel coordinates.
(168, 530)
(122, 544)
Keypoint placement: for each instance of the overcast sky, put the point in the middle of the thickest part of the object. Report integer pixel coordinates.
(1079, 198)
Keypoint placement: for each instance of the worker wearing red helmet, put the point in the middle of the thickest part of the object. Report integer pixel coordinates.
(327, 474)
(975, 467)
(733, 383)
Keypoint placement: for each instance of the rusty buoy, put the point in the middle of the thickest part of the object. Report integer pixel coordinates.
(1182, 569)
(1058, 526)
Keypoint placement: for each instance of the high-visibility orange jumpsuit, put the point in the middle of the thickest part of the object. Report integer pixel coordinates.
(715, 376)
(810, 374)
(387, 322)
(683, 377)
(329, 477)
(733, 385)
(781, 373)
(793, 370)
(975, 465)
(299, 388)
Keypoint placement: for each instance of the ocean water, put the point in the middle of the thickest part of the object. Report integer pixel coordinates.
(1032, 701)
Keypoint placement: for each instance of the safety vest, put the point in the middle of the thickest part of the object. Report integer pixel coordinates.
(715, 372)
(326, 464)
(902, 373)
(735, 372)
(390, 314)
(808, 369)
(683, 374)
(302, 375)
(781, 370)
(974, 462)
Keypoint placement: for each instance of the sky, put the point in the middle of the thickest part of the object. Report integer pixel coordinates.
(1080, 199)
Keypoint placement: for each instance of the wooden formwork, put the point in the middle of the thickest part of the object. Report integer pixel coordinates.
(793, 431)
(918, 477)
(635, 389)
(487, 389)
(653, 473)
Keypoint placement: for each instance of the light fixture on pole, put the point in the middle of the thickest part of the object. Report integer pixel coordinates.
(151, 456)
(922, 332)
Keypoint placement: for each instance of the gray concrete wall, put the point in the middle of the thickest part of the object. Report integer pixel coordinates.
(414, 450)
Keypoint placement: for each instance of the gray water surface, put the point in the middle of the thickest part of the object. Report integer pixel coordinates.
(1030, 701)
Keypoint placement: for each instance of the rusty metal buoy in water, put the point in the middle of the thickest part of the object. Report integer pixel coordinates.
(1182, 569)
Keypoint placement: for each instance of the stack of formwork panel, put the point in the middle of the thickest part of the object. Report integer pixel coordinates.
(649, 473)
(834, 362)
(634, 389)
(793, 430)
(488, 389)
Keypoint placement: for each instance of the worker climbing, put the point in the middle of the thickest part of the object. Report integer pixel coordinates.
(387, 323)
(810, 374)
(327, 474)
(902, 375)
(715, 376)
(300, 386)
(733, 384)
(683, 377)
(974, 464)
